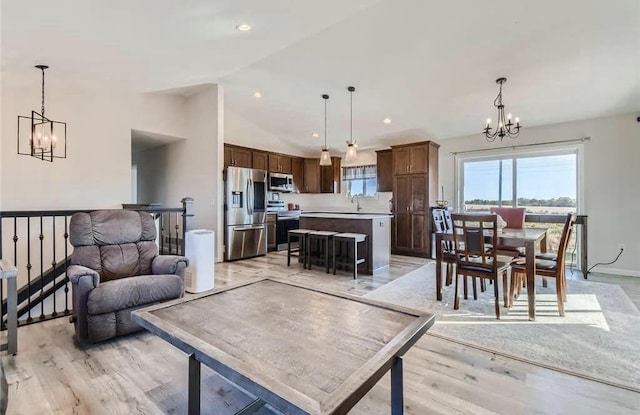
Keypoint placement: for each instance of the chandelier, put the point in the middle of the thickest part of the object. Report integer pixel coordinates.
(325, 157)
(39, 136)
(506, 127)
(352, 147)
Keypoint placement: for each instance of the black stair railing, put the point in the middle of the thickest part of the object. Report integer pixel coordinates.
(37, 242)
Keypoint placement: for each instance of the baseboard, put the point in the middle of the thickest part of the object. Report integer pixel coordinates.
(616, 271)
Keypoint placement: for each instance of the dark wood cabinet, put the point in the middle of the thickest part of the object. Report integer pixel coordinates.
(297, 169)
(271, 231)
(330, 176)
(415, 188)
(237, 156)
(259, 160)
(311, 176)
(279, 163)
(384, 168)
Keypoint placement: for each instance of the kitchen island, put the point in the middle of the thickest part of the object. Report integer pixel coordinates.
(377, 227)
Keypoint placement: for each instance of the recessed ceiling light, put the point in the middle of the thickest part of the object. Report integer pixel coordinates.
(243, 27)
(315, 135)
(387, 121)
(257, 94)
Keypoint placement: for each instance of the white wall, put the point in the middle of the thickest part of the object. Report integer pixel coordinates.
(152, 176)
(611, 181)
(161, 113)
(97, 170)
(193, 167)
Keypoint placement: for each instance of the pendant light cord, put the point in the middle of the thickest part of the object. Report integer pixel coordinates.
(325, 123)
(351, 117)
(42, 69)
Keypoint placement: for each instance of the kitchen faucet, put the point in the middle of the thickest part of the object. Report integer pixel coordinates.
(357, 198)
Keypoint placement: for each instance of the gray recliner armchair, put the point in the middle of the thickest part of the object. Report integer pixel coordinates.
(116, 269)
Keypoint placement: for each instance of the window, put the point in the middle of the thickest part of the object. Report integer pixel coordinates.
(543, 184)
(360, 180)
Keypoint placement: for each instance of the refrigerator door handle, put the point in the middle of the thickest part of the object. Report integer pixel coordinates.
(249, 196)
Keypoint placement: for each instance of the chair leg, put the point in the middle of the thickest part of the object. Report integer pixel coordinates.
(483, 285)
(559, 295)
(475, 288)
(496, 299)
(505, 289)
(456, 297)
(449, 274)
(464, 286)
(326, 254)
(288, 250)
(355, 260)
(544, 282)
(335, 265)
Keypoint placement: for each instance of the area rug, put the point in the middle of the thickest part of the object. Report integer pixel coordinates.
(599, 338)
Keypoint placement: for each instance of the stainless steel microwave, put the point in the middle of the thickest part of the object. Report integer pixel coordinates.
(279, 182)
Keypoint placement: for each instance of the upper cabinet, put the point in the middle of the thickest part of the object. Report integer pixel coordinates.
(279, 163)
(237, 156)
(384, 167)
(297, 169)
(311, 176)
(413, 158)
(260, 160)
(330, 176)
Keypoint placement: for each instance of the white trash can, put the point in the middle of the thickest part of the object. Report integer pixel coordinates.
(200, 250)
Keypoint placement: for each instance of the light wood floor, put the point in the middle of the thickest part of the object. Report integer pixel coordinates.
(142, 374)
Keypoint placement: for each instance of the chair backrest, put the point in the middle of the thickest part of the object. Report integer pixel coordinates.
(439, 224)
(564, 239)
(472, 235)
(513, 216)
(115, 243)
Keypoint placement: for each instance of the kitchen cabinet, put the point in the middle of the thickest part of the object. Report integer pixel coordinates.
(271, 231)
(259, 160)
(297, 169)
(413, 158)
(330, 177)
(384, 168)
(311, 175)
(415, 188)
(279, 163)
(237, 156)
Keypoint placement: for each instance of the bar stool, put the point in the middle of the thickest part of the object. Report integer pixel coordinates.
(301, 236)
(351, 239)
(322, 254)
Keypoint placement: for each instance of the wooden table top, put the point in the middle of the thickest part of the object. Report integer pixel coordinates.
(515, 235)
(298, 348)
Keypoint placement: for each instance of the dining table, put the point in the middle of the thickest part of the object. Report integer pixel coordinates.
(526, 238)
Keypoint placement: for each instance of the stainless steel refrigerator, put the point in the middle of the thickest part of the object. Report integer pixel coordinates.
(245, 213)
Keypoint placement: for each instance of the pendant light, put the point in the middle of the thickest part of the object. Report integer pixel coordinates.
(506, 127)
(39, 136)
(325, 157)
(352, 152)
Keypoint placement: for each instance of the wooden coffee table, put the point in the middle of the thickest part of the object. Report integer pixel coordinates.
(298, 349)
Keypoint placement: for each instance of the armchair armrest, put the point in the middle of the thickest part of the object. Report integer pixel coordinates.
(83, 281)
(78, 272)
(169, 264)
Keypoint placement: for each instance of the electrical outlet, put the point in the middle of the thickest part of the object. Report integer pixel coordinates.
(621, 247)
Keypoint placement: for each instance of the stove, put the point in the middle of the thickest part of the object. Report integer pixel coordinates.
(286, 221)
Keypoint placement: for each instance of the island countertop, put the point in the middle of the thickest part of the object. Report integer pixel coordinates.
(336, 215)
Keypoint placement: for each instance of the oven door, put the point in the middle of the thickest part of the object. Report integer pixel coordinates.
(283, 226)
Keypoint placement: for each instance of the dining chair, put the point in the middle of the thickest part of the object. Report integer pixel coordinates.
(448, 255)
(514, 217)
(471, 236)
(547, 268)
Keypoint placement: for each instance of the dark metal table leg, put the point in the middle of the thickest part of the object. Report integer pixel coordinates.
(194, 386)
(397, 398)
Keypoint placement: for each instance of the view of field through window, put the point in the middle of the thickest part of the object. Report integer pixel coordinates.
(544, 185)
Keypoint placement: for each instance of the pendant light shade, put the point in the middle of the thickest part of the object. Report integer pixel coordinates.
(352, 151)
(325, 157)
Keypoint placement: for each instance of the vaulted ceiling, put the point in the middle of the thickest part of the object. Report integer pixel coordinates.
(428, 65)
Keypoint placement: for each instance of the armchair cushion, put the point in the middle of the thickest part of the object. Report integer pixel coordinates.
(131, 292)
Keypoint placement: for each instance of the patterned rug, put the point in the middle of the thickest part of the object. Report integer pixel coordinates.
(599, 337)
